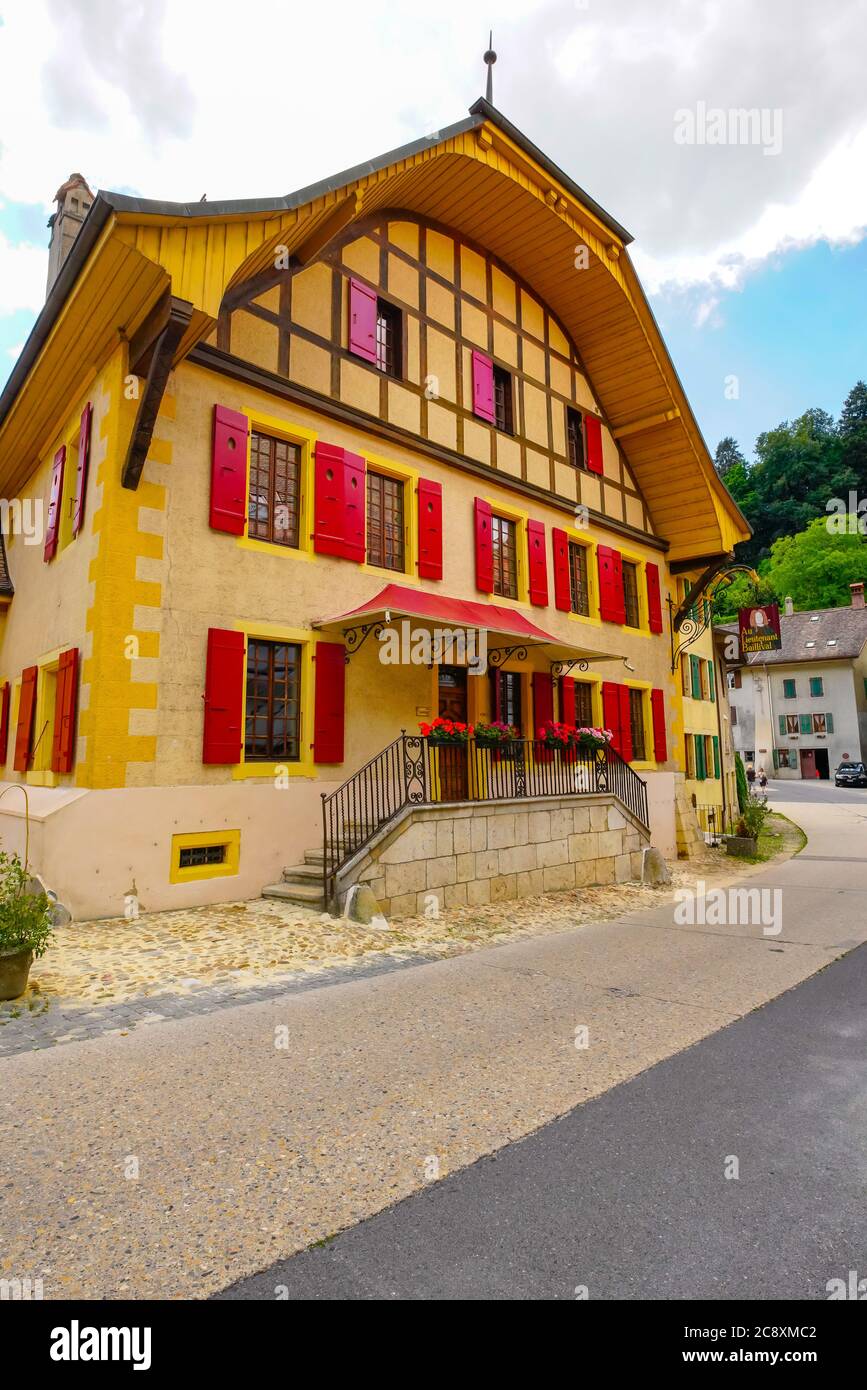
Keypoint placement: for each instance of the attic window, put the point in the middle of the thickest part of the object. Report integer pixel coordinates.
(809, 644)
(815, 618)
(832, 641)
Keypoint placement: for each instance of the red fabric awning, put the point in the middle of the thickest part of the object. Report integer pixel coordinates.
(403, 602)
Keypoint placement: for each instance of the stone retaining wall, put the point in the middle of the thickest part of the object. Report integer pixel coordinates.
(497, 851)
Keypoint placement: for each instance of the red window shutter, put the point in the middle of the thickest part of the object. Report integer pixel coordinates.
(339, 503)
(543, 700)
(26, 711)
(657, 707)
(329, 702)
(611, 711)
(224, 696)
(4, 721)
(65, 701)
(625, 749)
(567, 700)
(612, 606)
(562, 587)
(654, 598)
(229, 471)
(81, 470)
(430, 529)
(354, 506)
(53, 526)
(483, 387)
(362, 320)
(593, 443)
(537, 568)
(484, 547)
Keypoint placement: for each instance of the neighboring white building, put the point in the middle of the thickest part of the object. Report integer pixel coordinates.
(801, 711)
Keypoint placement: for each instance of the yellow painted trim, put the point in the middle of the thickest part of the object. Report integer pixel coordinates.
(409, 477)
(306, 638)
(577, 537)
(508, 512)
(281, 428)
(198, 840)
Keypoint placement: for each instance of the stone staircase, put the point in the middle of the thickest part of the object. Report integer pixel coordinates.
(301, 884)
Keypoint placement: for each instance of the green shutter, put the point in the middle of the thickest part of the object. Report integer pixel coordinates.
(711, 681)
(806, 724)
(696, 677)
(715, 756)
(816, 686)
(782, 723)
(788, 690)
(829, 723)
(699, 758)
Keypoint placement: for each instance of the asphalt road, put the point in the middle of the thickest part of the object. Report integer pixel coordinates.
(627, 1196)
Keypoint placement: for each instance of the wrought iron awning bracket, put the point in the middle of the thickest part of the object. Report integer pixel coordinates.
(355, 637)
(497, 656)
(583, 663)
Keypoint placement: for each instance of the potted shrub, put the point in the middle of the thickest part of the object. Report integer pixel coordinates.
(25, 926)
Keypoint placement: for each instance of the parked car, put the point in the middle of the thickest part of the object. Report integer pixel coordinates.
(851, 775)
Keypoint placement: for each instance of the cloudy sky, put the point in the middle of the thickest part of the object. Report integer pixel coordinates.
(754, 250)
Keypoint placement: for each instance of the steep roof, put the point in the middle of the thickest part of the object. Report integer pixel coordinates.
(482, 178)
(818, 634)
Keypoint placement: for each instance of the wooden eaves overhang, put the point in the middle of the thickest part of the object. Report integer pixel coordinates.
(481, 177)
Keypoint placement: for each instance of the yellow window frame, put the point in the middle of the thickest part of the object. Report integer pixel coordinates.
(203, 839)
(306, 639)
(293, 433)
(403, 473)
(507, 512)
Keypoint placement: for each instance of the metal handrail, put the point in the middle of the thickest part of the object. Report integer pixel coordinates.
(415, 771)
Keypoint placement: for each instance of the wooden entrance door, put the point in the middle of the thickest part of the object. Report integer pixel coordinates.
(808, 762)
(452, 759)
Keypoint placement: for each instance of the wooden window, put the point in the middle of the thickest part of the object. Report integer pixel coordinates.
(504, 543)
(583, 704)
(636, 724)
(735, 680)
(273, 708)
(790, 690)
(503, 415)
(575, 437)
(579, 589)
(275, 490)
(685, 680)
(817, 686)
(705, 679)
(385, 529)
(506, 698)
(690, 755)
(389, 338)
(734, 715)
(630, 594)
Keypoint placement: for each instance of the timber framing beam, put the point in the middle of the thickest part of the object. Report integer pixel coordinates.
(664, 417)
(160, 354)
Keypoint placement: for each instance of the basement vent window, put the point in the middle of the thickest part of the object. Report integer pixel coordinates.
(195, 858)
(204, 854)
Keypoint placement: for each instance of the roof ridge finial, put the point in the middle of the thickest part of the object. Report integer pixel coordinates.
(490, 59)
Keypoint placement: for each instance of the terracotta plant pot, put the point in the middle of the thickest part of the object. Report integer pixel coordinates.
(14, 971)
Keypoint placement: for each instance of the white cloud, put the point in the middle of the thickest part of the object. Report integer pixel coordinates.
(23, 269)
(179, 98)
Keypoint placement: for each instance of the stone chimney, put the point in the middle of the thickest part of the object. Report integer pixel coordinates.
(857, 592)
(73, 199)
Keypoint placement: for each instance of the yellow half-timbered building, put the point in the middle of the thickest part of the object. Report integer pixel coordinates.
(270, 440)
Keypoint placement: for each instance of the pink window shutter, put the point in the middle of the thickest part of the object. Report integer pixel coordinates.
(483, 387)
(362, 320)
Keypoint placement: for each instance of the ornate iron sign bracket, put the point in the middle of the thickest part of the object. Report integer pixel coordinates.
(706, 588)
(583, 663)
(498, 655)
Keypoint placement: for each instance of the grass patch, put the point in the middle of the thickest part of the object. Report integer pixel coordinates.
(779, 835)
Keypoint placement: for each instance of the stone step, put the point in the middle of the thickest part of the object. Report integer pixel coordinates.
(304, 894)
(303, 873)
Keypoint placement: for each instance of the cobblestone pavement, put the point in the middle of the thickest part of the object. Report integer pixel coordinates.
(112, 976)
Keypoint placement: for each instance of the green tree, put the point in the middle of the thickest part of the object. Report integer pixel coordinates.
(727, 456)
(817, 565)
(741, 593)
(853, 435)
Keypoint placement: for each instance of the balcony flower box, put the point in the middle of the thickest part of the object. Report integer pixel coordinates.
(446, 731)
